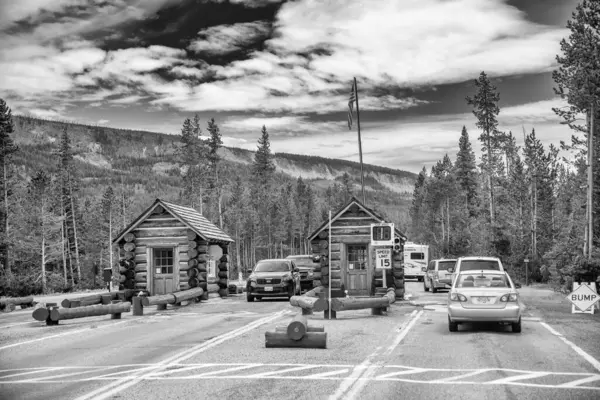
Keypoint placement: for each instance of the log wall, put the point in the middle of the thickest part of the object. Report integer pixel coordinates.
(352, 227)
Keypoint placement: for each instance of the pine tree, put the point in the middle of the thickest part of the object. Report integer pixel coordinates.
(107, 205)
(192, 155)
(417, 203)
(485, 104)
(263, 169)
(466, 171)
(7, 150)
(214, 144)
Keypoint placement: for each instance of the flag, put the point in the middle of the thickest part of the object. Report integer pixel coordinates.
(351, 105)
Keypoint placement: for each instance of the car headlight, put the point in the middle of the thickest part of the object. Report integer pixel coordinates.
(457, 297)
(310, 274)
(287, 277)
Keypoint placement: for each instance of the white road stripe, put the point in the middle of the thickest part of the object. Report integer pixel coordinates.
(404, 332)
(577, 349)
(405, 372)
(580, 381)
(65, 334)
(238, 368)
(459, 377)
(281, 371)
(32, 372)
(515, 378)
(122, 384)
(327, 374)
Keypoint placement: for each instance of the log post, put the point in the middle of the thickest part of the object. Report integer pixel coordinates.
(138, 307)
(297, 327)
(311, 340)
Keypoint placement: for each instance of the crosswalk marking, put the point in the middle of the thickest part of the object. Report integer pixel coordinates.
(334, 372)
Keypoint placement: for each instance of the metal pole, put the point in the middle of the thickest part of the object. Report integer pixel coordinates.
(384, 270)
(526, 274)
(362, 175)
(591, 183)
(329, 262)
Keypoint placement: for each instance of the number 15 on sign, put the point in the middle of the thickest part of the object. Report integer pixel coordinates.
(383, 258)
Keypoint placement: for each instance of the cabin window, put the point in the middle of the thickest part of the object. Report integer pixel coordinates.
(417, 256)
(163, 261)
(357, 257)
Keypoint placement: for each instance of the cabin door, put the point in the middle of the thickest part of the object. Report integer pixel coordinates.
(163, 268)
(356, 265)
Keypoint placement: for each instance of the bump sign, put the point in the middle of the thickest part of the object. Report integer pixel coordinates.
(583, 297)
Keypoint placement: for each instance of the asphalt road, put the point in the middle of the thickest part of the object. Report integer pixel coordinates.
(216, 350)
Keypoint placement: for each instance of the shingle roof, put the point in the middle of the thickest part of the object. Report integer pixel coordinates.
(190, 217)
(197, 222)
(342, 210)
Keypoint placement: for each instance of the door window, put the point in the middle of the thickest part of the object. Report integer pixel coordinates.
(357, 257)
(163, 261)
(431, 266)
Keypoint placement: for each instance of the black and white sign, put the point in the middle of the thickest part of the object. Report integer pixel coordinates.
(383, 258)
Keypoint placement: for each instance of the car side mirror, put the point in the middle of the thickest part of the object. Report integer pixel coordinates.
(518, 285)
(451, 270)
(296, 269)
(423, 269)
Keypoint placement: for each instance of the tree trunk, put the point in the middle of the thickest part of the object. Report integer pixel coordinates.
(64, 257)
(43, 262)
(110, 252)
(75, 233)
(7, 266)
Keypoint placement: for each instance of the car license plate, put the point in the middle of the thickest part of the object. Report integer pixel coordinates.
(482, 300)
(268, 288)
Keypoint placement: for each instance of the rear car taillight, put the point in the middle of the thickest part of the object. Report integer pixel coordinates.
(509, 297)
(435, 275)
(457, 297)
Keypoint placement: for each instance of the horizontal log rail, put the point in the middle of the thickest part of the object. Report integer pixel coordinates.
(309, 303)
(59, 314)
(172, 298)
(16, 301)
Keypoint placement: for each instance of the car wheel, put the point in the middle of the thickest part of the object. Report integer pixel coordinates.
(433, 289)
(425, 288)
(516, 327)
(258, 298)
(249, 297)
(452, 326)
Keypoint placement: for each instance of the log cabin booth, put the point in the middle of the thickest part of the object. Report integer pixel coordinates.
(352, 264)
(169, 248)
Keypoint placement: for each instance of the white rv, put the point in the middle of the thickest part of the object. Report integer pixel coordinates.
(416, 257)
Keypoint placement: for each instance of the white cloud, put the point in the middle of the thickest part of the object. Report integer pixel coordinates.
(103, 121)
(223, 39)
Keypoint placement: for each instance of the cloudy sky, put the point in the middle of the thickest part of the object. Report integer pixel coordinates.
(149, 64)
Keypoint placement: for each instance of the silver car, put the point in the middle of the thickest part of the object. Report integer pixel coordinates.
(484, 296)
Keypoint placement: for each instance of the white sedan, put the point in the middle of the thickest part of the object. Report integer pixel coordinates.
(484, 296)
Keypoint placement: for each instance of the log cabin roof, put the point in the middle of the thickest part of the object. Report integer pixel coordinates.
(345, 208)
(188, 216)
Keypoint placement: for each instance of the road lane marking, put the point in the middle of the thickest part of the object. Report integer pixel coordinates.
(65, 334)
(532, 375)
(283, 371)
(580, 381)
(404, 331)
(458, 377)
(122, 384)
(371, 373)
(352, 385)
(577, 349)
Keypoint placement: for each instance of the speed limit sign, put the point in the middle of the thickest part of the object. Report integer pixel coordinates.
(383, 258)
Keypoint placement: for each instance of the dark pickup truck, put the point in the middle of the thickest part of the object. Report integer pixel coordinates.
(306, 263)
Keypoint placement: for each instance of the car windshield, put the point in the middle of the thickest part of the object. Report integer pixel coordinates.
(272, 266)
(444, 265)
(481, 281)
(472, 265)
(303, 262)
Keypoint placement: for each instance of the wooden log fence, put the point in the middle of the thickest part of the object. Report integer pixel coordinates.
(59, 314)
(88, 300)
(309, 302)
(24, 302)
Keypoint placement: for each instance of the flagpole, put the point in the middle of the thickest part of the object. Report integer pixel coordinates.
(362, 175)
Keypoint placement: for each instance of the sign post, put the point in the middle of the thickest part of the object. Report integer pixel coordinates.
(526, 272)
(383, 261)
(584, 298)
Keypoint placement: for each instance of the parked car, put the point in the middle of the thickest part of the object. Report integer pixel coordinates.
(306, 263)
(273, 278)
(484, 296)
(476, 264)
(437, 275)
